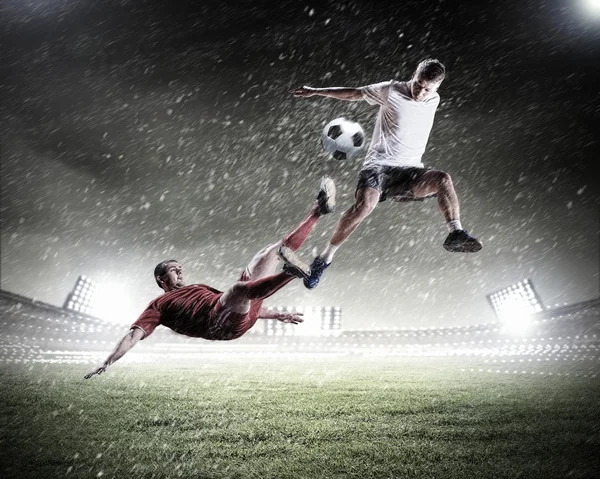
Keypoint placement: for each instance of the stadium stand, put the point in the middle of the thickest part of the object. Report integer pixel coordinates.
(33, 331)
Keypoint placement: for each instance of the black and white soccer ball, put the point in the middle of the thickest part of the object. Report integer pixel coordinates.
(343, 139)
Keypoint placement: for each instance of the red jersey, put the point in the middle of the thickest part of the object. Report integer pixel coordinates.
(196, 311)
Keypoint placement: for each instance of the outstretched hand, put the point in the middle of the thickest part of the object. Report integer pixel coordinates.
(303, 91)
(98, 370)
(293, 318)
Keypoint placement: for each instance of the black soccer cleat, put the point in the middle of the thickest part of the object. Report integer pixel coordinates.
(316, 271)
(460, 241)
(326, 196)
(292, 264)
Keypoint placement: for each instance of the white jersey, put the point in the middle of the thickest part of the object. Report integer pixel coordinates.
(403, 125)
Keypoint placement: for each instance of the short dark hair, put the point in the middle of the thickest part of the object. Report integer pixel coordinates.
(431, 70)
(161, 269)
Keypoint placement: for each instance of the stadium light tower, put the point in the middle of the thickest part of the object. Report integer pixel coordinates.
(318, 321)
(108, 301)
(515, 306)
(331, 320)
(82, 296)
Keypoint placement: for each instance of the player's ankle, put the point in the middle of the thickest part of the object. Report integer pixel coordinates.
(454, 225)
(328, 253)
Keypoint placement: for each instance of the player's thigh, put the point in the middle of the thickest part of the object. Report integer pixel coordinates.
(366, 199)
(427, 183)
(235, 299)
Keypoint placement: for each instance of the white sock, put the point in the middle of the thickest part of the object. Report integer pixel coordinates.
(328, 253)
(454, 225)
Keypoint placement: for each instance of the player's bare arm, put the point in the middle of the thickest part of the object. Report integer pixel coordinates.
(284, 317)
(339, 93)
(128, 342)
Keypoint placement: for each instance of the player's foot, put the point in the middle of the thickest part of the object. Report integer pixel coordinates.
(316, 271)
(460, 241)
(292, 264)
(326, 196)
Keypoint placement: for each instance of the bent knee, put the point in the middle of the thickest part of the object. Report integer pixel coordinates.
(365, 204)
(437, 179)
(264, 254)
(445, 179)
(239, 289)
(272, 248)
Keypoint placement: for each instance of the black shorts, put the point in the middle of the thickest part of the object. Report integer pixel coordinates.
(393, 182)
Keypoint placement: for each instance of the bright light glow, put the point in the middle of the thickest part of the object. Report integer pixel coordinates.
(592, 6)
(516, 317)
(515, 305)
(312, 323)
(113, 303)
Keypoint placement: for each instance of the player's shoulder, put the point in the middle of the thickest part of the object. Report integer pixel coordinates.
(389, 85)
(403, 87)
(380, 85)
(400, 87)
(434, 99)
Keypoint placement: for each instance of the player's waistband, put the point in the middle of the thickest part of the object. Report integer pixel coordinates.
(391, 162)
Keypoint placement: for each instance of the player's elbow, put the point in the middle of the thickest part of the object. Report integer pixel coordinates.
(135, 335)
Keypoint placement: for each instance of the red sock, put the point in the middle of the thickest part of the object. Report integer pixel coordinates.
(294, 239)
(265, 287)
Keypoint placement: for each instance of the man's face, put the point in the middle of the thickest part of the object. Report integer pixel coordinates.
(173, 278)
(422, 89)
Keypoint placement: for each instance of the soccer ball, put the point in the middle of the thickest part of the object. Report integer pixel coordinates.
(343, 139)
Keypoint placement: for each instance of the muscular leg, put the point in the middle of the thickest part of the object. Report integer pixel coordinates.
(265, 262)
(365, 202)
(238, 298)
(439, 183)
(263, 282)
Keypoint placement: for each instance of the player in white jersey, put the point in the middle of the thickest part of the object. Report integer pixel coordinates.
(392, 167)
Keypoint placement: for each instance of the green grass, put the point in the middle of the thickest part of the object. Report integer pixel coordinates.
(297, 418)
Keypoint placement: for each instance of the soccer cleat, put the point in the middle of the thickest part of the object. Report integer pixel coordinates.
(460, 241)
(316, 271)
(326, 196)
(292, 264)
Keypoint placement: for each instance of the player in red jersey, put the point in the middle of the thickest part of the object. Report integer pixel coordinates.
(201, 311)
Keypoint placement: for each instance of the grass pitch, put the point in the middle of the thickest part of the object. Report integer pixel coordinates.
(297, 418)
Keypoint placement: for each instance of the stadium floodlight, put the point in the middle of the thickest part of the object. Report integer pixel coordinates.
(113, 302)
(108, 301)
(81, 297)
(331, 320)
(592, 6)
(515, 306)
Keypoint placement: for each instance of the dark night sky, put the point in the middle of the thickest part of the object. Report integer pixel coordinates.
(134, 131)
